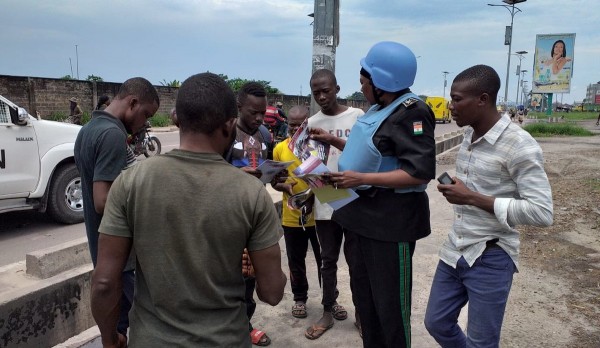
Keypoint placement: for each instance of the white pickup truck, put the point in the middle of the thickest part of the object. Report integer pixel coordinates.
(37, 168)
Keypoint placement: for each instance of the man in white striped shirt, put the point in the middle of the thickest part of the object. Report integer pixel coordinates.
(500, 183)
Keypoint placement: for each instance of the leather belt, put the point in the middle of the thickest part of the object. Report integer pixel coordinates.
(492, 243)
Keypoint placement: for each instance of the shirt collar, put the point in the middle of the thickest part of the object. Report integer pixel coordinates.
(492, 135)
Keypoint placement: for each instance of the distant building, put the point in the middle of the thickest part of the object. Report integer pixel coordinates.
(592, 96)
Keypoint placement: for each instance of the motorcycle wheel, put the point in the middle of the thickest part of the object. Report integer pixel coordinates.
(152, 147)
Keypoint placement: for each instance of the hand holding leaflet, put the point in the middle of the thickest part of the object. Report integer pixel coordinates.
(270, 168)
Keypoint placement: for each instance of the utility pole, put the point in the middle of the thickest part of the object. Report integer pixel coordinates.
(326, 37)
(445, 74)
(521, 77)
(77, 56)
(520, 55)
(508, 37)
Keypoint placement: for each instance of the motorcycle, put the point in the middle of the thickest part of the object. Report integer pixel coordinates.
(144, 143)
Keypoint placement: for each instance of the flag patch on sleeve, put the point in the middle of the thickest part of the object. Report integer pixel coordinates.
(417, 128)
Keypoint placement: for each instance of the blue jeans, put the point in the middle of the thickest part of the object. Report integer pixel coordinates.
(128, 278)
(485, 286)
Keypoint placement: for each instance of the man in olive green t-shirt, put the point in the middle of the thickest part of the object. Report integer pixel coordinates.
(189, 226)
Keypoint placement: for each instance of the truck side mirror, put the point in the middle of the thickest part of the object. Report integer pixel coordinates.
(22, 117)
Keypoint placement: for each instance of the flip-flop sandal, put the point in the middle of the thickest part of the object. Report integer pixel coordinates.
(259, 338)
(299, 310)
(339, 312)
(314, 332)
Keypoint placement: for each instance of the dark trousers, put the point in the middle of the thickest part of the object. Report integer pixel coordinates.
(381, 289)
(250, 304)
(128, 279)
(296, 246)
(331, 235)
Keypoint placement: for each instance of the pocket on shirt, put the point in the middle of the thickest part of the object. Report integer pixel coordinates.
(487, 172)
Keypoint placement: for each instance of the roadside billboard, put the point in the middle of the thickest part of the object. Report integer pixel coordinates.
(553, 63)
(536, 100)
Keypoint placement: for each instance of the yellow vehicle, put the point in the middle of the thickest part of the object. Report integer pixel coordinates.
(440, 107)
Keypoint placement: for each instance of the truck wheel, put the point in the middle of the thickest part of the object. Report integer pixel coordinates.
(65, 199)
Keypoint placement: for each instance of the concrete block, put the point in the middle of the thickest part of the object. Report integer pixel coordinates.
(439, 147)
(48, 312)
(49, 262)
(448, 141)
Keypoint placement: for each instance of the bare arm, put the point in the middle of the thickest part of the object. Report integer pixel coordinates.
(113, 252)
(559, 64)
(324, 136)
(396, 179)
(270, 279)
(100, 194)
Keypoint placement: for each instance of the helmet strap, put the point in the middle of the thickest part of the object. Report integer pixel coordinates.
(377, 93)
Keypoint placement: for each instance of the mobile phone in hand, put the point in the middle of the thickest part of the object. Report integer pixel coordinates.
(445, 179)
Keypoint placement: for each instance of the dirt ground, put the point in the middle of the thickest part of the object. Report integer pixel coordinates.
(555, 299)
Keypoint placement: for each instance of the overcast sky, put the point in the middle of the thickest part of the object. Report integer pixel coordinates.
(272, 39)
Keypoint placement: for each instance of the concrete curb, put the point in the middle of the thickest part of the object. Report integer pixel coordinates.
(164, 129)
(47, 312)
(49, 262)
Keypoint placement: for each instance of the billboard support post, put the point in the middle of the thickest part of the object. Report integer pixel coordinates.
(549, 109)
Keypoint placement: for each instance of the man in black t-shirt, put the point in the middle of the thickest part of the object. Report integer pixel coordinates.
(252, 146)
(101, 154)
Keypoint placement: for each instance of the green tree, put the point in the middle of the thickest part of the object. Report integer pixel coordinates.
(356, 96)
(66, 77)
(174, 83)
(94, 78)
(236, 83)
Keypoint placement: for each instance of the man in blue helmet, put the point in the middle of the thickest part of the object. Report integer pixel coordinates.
(388, 160)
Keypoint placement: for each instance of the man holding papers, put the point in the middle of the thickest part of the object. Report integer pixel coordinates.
(298, 221)
(331, 124)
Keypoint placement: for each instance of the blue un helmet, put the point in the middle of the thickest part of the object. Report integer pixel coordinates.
(392, 66)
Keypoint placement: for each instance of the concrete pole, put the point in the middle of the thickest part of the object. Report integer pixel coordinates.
(445, 83)
(326, 37)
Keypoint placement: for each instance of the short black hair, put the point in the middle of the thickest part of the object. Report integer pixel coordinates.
(101, 101)
(204, 103)
(482, 79)
(141, 88)
(251, 88)
(324, 73)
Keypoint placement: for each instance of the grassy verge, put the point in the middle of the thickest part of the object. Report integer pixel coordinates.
(553, 129)
(594, 184)
(571, 116)
(160, 120)
(62, 117)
